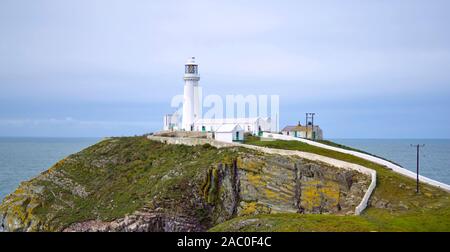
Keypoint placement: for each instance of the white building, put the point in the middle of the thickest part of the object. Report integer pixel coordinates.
(229, 133)
(254, 125)
(191, 99)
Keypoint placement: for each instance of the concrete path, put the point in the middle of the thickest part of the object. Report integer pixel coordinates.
(394, 167)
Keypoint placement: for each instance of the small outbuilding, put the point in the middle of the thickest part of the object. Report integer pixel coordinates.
(313, 132)
(229, 133)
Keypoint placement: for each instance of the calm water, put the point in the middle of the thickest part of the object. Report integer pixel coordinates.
(24, 158)
(434, 157)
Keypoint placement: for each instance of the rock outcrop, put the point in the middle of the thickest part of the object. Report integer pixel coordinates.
(141, 221)
(134, 184)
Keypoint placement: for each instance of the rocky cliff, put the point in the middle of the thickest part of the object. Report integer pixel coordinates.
(134, 184)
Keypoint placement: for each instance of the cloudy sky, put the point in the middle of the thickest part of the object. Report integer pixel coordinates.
(369, 69)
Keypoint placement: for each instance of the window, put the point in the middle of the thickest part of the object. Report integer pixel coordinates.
(191, 69)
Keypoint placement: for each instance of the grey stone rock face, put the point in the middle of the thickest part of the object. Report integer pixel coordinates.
(276, 184)
(140, 222)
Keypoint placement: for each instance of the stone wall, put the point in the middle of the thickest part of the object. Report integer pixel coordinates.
(190, 134)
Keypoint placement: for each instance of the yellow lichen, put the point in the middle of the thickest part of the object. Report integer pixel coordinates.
(253, 165)
(315, 192)
(253, 208)
(331, 191)
(249, 208)
(271, 194)
(254, 179)
(310, 196)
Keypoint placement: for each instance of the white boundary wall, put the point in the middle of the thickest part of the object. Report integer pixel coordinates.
(394, 167)
(306, 155)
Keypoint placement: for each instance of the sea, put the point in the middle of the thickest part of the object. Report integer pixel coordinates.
(24, 158)
(434, 156)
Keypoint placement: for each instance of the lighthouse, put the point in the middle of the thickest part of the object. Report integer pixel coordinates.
(191, 99)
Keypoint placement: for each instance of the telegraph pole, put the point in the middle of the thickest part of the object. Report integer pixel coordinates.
(310, 116)
(417, 146)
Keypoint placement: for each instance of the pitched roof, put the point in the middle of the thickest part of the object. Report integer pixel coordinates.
(229, 128)
(289, 128)
(298, 128)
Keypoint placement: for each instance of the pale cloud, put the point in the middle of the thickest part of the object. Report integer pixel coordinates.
(308, 52)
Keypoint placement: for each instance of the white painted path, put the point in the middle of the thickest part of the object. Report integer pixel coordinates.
(394, 167)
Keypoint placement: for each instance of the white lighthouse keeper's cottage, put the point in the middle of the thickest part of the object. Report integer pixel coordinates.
(229, 133)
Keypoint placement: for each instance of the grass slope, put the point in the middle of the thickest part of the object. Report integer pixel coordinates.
(394, 204)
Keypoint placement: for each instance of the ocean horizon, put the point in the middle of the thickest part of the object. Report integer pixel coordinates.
(22, 158)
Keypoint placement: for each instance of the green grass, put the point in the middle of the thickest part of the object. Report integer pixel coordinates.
(404, 211)
(289, 222)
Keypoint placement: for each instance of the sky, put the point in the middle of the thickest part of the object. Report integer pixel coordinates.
(94, 68)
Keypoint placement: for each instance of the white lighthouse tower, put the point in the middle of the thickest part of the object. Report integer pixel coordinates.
(191, 99)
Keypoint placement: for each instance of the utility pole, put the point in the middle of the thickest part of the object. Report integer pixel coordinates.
(308, 117)
(417, 146)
